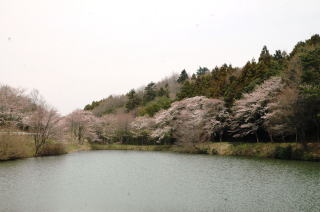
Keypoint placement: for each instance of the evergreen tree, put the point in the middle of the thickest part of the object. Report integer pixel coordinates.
(183, 76)
(163, 92)
(202, 71)
(265, 55)
(185, 91)
(149, 93)
(133, 100)
(278, 55)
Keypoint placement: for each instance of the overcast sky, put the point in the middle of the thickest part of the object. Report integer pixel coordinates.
(77, 51)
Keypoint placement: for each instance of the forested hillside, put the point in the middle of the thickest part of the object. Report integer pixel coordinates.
(275, 98)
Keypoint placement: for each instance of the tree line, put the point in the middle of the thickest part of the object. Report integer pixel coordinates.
(275, 98)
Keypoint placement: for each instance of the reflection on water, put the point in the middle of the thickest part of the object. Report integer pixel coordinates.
(155, 181)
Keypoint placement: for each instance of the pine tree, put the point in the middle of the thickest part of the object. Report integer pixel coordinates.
(133, 100)
(185, 91)
(183, 76)
(265, 55)
(202, 71)
(149, 93)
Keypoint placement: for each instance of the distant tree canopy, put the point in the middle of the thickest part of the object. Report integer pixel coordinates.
(202, 71)
(92, 105)
(156, 105)
(292, 108)
(163, 91)
(229, 82)
(183, 76)
(133, 100)
(149, 92)
(265, 55)
(276, 98)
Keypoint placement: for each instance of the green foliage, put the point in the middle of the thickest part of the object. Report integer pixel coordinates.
(300, 71)
(163, 91)
(149, 93)
(308, 55)
(183, 76)
(133, 100)
(202, 71)
(185, 91)
(265, 55)
(92, 105)
(283, 152)
(156, 105)
(231, 83)
(109, 105)
(311, 66)
(153, 99)
(288, 153)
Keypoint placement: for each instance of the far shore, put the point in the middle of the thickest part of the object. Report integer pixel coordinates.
(287, 151)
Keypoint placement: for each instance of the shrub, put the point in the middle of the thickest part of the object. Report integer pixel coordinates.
(283, 152)
(288, 153)
(154, 106)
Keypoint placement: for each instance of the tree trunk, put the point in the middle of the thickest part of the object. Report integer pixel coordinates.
(257, 137)
(38, 144)
(36, 151)
(303, 136)
(303, 139)
(270, 135)
(317, 131)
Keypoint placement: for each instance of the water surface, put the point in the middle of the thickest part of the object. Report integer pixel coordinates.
(157, 181)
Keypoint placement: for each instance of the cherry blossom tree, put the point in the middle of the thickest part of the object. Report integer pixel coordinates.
(13, 104)
(280, 118)
(248, 112)
(81, 125)
(115, 126)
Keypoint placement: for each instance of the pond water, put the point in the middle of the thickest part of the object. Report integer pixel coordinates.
(157, 181)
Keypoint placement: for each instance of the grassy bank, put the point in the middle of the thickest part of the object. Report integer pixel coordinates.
(131, 147)
(288, 151)
(21, 146)
(15, 147)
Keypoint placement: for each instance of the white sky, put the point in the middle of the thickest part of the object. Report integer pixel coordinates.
(76, 51)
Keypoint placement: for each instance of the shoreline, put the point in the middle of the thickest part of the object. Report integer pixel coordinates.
(284, 151)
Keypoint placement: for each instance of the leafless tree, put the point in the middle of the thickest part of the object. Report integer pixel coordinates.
(42, 122)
